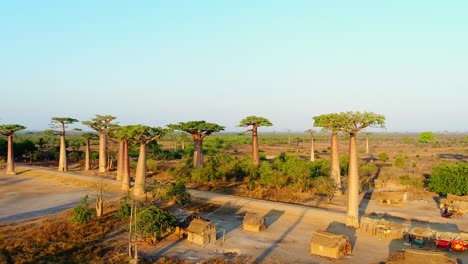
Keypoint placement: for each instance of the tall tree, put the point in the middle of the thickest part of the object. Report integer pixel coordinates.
(62, 122)
(333, 123)
(312, 150)
(143, 135)
(367, 142)
(199, 130)
(102, 125)
(88, 137)
(255, 122)
(356, 121)
(124, 134)
(8, 131)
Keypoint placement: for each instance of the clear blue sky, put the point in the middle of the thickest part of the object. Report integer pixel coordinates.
(160, 62)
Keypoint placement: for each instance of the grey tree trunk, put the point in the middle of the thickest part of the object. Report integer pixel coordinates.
(312, 150)
(352, 218)
(140, 176)
(198, 153)
(335, 173)
(63, 154)
(125, 168)
(103, 152)
(10, 161)
(87, 156)
(255, 157)
(120, 160)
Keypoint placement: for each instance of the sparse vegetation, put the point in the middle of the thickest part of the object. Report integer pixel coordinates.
(82, 213)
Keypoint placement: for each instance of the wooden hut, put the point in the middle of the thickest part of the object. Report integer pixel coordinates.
(414, 256)
(201, 232)
(254, 222)
(393, 198)
(329, 245)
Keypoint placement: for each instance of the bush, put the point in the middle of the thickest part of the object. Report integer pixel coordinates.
(125, 207)
(383, 156)
(447, 178)
(323, 185)
(412, 181)
(82, 213)
(178, 192)
(367, 169)
(154, 222)
(344, 163)
(151, 165)
(426, 137)
(400, 161)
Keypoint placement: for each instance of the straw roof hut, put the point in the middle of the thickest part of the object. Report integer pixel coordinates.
(329, 245)
(201, 232)
(254, 222)
(393, 198)
(414, 256)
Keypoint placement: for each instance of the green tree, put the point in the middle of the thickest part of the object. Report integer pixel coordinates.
(255, 122)
(427, 137)
(199, 130)
(62, 122)
(103, 125)
(8, 131)
(82, 213)
(153, 223)
(450, 178)
(333, 123)
(355, 122)
(178, 192)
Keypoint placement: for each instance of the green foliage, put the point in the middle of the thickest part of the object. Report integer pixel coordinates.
(82, 213)
(344, 163)
(400, 161)
(178, 192)
(367, 169)
(154, 222)
(200, 128)
(255, 121)
(383, 156)
(427, 137)
(406, 140)
(124, 207)
(323, 185)
(151, 165)
(450, 178)
(412, 181)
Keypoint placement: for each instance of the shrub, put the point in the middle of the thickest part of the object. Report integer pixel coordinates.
(124, 207)
(323, 185)
(406, 140)
(383, 156)
(178, 192)
(151, 165)
(344, 163)
(400, 161)
(412, 181)
(153, 222)
(447, 178)
(367, 169)
(82, 213)
(426, 137)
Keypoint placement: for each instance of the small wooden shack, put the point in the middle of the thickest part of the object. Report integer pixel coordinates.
(329, 245)
(393, 198)
(414, 256)
(254, 222)
(201, 232)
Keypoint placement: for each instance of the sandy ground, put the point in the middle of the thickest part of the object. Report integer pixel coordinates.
(286, 240)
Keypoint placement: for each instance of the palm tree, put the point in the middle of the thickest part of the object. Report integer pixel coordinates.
(8, 131)
(255, 122)
(103, 125)
(63, 122)
(312, 150)
(199, 130)
(356, 121)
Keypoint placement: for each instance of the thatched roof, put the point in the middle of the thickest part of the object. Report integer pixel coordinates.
(457, 198)
(254, 219)
(415, 256)
(199, 226)
(328, 239)
(447, 236)
(417, 231)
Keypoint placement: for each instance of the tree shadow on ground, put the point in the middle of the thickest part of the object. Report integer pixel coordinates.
(275, 244)
(458, 157)
(272, 216)
(368, 195)
(11, 181)
(41, 212)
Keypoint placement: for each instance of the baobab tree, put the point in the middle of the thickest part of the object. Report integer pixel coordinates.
(143, 135)
(124, 135)
(356, 121)
(62, 122)
(367, 142)
(255, 122)
(199, 130)
(312, 150)
(88, 137)
(8, 131)
(333, 123)
(103, 125)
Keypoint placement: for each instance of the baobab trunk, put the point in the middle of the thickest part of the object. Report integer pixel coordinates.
(335, 161)
(103, 152)
(352, 218)
(120, 161)
(367, 144)
(10, 161)
(125, 168)
(255, 158)
(198, 153)
(87, 156)
(312, 151)
(63, 155)
(140, 176)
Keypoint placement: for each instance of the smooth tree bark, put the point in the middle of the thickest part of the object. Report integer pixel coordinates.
(367, 143)
(199, 130)
(255, 122)
(8, 131)
(62, 122)
(356, 122)
(103, 125)
(124, 134)
(88, 137)
(312, 149)
(333, 123)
